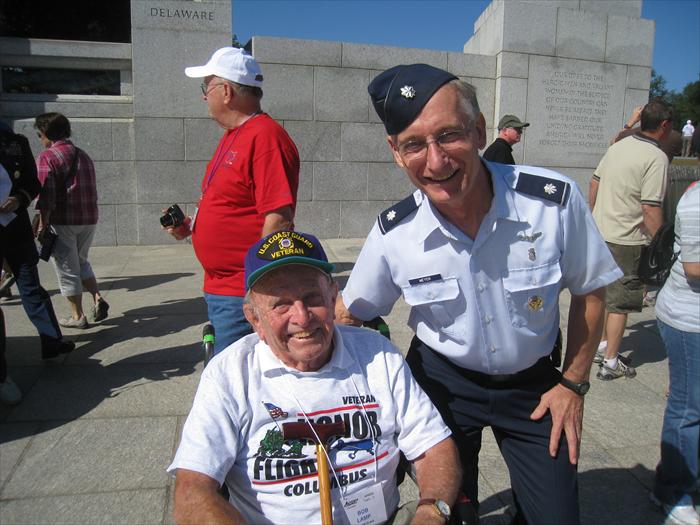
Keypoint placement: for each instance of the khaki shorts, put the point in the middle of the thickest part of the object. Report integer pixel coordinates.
(626, 294)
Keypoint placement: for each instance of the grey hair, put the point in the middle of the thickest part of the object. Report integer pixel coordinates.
(467, 92)
(247, 91)
(248, 300)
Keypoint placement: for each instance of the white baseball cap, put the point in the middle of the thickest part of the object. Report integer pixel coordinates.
(231, 63)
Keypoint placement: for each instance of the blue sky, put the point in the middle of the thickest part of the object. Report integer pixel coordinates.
(447, 24)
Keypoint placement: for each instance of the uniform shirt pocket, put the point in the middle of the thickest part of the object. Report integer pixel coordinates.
(433, 299)
(532, 295)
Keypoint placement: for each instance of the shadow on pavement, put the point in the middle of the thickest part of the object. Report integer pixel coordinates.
(645, 342)
(132, 283)
(617, 496)
(67, 388)
(168, 317)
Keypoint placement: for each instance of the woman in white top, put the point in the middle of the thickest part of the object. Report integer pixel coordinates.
(678, 317)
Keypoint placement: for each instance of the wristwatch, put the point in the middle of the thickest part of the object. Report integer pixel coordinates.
(580, 388)
(441, 508)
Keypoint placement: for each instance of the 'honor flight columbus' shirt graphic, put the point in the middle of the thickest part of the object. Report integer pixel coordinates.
(292, 464)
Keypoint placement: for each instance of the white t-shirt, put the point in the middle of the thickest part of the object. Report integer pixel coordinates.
(233, 432)
(678, 303)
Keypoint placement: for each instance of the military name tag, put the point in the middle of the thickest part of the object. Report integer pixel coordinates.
(425, 279)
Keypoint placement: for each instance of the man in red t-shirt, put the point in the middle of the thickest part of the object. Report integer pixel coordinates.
(248, 191)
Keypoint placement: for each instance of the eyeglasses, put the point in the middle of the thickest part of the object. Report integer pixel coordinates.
(447, 141)
(206, 89)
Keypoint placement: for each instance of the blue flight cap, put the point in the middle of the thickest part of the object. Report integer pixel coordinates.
(399, 94)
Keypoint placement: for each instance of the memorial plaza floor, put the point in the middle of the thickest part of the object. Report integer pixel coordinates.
(90, 442)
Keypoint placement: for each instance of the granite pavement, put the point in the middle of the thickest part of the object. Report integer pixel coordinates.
(90, 442)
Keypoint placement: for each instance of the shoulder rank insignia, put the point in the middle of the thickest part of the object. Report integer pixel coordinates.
(395, 214)
(543, 187)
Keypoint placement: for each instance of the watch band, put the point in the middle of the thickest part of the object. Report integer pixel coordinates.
(433, 504)
(579, 388)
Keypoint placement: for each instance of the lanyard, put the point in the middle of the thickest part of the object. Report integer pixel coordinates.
(375, 441)
(225, 147)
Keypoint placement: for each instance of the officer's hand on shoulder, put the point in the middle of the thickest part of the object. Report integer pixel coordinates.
(343, 315)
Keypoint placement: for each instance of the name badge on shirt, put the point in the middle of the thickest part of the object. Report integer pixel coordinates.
(425, 279)
(366, 507)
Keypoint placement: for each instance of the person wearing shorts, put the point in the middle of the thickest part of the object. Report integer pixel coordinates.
(625, 295)
(625, 194)
(68, 204)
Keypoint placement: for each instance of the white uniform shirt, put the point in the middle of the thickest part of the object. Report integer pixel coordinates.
(491, 304)
(233, 432)
(688, 130)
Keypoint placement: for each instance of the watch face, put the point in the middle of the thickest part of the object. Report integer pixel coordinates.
(584, 387)
(443, 507)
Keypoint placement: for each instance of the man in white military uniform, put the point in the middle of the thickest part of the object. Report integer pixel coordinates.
(299, 367)
(480, 252)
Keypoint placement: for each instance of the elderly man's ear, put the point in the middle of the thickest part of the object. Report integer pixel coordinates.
(252, 317)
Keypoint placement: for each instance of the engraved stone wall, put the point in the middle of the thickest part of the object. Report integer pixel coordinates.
(574, 106)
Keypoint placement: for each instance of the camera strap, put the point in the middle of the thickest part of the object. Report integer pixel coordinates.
(225, 147)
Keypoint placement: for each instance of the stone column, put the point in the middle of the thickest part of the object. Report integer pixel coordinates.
(173, 136)
(574, 69)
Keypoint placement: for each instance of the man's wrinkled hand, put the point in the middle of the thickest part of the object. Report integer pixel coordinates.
(566, 408)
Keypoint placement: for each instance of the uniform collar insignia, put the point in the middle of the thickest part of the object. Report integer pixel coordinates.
(529, 238)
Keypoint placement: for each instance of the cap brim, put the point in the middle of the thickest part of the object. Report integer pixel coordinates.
(315, 263)
(198, 71)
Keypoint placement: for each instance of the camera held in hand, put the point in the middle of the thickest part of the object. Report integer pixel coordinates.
(173, 217)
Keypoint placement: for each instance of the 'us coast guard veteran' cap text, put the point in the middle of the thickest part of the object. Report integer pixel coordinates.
(284, 247)
(399, 94)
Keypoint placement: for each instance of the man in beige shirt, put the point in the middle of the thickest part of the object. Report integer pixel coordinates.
(625, 194)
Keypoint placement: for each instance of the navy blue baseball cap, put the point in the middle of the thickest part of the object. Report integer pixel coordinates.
(399, 94)
(284, 247)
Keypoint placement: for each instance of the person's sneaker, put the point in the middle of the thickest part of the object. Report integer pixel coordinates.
(600, 357)
(10, 394)
(74, 323)
(55, 347)
(621, 370)
(99, 312)
(682, 514)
